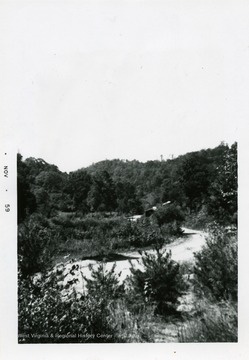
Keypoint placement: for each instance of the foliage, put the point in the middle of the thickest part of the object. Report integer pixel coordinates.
(127, 198)
(206, 177)
(216, 265)
(171, 216)
(42, 311)
(198, 219)
(83, 214)
(94, 235)
(104, 282)
(36, 166)
(223, 200)
(213, 322)
(43, 201)
(51, 181)
(36, 245)
(161, 282)
(195, 176)
(78, 186)
(26, 201)
(102, 196)
(100, 315)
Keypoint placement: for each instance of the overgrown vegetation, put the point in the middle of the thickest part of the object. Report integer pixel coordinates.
(87, 214)
(36, 245)
(159, 283)
(216, 286)
(216, 266)
(203, 181)
(99, 315)
(211, 322)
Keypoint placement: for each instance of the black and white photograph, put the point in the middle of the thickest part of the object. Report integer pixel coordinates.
(122, 155)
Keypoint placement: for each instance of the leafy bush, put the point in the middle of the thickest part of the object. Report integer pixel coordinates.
(36, 245)
(161, 283)
(45, 317)
(216, 266)
(48, 314)
(171, 217)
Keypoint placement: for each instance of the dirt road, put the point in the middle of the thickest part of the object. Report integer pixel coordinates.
(182, 250)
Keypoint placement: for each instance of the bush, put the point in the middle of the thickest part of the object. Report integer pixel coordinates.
(171, 217)
(104, 282)
(44, 316)
(98, 316)
(216, 266)
(36, 245)
(161, 283)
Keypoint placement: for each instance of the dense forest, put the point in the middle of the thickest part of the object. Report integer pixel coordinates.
(89, 214)
(202, 183)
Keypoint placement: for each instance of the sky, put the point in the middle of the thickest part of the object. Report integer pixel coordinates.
(86, 81)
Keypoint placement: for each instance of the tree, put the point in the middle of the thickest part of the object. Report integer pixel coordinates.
(127, 199)
(222, 202)
(50, 180)
(171, 216)
(36, 245)
(43, 201)
(104, 283)
(26, 202)
(194, 175)
(160, 283)
(216, 265)
(78, 186)
(102, 196)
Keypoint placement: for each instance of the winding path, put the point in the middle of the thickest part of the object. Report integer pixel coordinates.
(182, 250)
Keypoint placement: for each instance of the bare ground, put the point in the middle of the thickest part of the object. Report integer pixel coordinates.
(182, 249)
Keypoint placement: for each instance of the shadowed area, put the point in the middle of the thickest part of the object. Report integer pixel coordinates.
(190, 233)
(110, 257)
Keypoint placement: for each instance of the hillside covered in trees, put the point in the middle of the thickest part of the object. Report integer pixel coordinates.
(202, 183)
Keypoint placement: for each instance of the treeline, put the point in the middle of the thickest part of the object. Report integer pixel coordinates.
(202, 183)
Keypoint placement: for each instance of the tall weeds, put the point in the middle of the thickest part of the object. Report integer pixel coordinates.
(213, 322)
(215, 286)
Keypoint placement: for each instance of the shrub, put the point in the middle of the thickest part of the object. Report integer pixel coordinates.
(160, 283)
(104, 282)
(100, 315)
(171, 217)
(44, 316)
(36, 245)
(216, 265)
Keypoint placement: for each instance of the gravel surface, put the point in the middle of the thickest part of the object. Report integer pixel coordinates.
(182, 250)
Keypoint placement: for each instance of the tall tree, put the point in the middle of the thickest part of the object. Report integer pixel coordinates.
(26, 202)
(78, 186)
(102, 196)
(127, 199)
(223, 192)
(194, 176)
